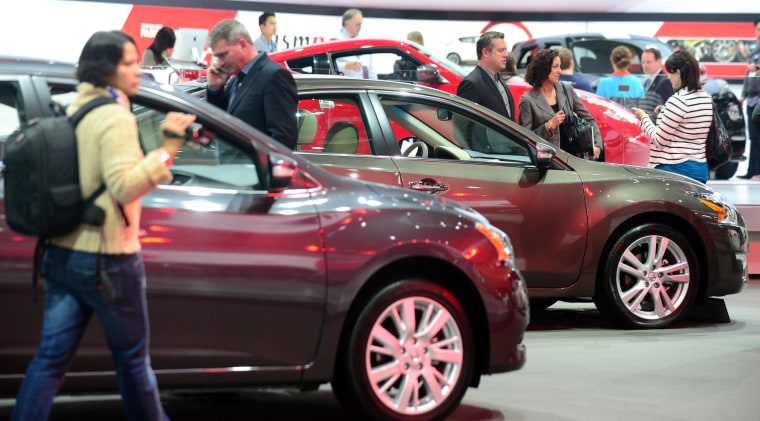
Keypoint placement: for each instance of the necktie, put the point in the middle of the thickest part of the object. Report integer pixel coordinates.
(646, 85)
(236, 86)
(503, 92)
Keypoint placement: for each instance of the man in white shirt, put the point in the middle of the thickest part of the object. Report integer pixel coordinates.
(351, 66)
(268, 25)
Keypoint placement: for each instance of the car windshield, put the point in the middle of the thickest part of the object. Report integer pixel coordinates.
(442, 61)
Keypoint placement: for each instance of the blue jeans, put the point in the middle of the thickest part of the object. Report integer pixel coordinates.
(692, 169)
(71, 297)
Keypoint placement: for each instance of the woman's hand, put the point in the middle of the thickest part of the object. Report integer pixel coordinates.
(640, 114)
(176, 124)
(596, 154)
(556, 120)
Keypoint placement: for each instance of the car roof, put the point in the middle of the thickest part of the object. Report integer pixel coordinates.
(30, 66)
(312, 82)
(341, 44)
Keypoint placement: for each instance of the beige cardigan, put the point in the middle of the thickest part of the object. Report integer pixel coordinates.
(109, 150)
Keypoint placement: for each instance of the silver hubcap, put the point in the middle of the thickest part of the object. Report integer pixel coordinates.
(414, 355)
(653, 277)
(723, 50)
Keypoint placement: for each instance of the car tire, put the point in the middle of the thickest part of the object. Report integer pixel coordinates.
(454, 58)
(724, 50)
(384, 361)
(642, 289)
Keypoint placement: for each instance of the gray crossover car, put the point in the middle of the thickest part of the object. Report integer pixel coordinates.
(645, 244)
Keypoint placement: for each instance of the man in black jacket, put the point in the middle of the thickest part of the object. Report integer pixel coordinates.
(658, 87)
(262, 93)
(483, 85)
(751, 97)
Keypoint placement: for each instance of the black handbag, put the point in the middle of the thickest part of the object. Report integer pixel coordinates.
(579, 132)
(718, 144)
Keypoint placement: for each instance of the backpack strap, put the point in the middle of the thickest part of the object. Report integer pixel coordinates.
(89, 106)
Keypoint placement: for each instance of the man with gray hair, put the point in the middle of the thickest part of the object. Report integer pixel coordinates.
(351, 66)
(262, 93)
(484, 85)
(351, 24)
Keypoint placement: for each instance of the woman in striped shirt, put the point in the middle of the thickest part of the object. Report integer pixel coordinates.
(677, 141)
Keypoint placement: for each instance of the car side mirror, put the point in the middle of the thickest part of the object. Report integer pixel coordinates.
(444, 114)
(282, 172)
(544, 155)
(428, 74)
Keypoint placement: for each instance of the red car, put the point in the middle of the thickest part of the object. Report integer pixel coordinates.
(386, 59)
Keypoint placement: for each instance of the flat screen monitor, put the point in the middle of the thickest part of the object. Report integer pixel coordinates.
(190, 44)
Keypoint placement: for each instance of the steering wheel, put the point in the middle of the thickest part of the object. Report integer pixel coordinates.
(416, 148)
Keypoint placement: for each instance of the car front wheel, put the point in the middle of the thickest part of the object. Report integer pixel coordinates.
(410, 355)
(454, 58)
(650, 279)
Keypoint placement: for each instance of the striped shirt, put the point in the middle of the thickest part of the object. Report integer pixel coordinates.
(681, 129)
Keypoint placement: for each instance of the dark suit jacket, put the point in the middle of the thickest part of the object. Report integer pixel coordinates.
(535, 112)
(267, 99)
(661, 85)
(478, 87)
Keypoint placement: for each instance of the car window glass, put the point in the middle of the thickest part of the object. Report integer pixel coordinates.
(377, 65)
(333, 124)
(426, 130)
(210, 161)
(11, 112)
(593, 56)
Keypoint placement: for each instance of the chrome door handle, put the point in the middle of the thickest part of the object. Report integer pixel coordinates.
(428, 185)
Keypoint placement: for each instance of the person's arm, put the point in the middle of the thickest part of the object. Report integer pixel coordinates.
(127, 174)
(148, 58)
(281, 106)
(669, 120)
(544, 129)
(468, 90)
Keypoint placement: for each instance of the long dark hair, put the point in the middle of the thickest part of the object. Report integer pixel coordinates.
(101, 55)
(164, 40)
(685, 62)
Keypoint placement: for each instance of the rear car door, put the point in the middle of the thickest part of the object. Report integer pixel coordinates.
(339, 131)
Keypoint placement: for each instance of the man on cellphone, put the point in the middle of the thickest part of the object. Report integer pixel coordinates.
(250, 86)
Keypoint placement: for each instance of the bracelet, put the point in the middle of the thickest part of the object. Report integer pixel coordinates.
(165, 157)
(550, 125)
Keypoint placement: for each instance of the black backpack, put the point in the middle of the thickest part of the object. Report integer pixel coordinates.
(42, 193)
(43, 197)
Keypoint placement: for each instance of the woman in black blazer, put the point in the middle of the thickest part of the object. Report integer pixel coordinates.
(543, 108)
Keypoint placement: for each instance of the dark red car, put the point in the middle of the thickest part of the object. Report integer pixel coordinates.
(272, 271)
(624, 142)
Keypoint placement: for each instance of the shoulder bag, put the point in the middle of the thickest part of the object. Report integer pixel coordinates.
(718, 144)
(579, 132)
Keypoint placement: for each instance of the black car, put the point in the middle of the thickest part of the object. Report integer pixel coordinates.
(591, 52)
(272, 271)
(592, 62)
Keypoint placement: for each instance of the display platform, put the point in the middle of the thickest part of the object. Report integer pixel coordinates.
(745, 195)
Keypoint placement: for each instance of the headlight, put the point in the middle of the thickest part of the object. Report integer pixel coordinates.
(501, 243)
(725, 212)
(734, 113)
